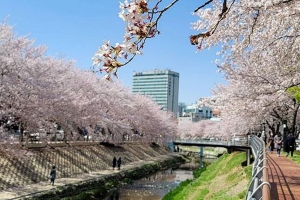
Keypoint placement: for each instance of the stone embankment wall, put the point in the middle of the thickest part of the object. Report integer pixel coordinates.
(21, 166)
(100, 186)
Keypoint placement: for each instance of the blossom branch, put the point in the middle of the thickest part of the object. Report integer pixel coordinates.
(198, 39)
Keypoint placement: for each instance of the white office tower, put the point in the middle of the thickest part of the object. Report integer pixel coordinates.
(161, 85)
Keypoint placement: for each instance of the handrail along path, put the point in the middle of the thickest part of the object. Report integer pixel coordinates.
(259, 188)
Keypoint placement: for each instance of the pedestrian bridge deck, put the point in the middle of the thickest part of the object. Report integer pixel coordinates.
(213, 143)
(241, 145)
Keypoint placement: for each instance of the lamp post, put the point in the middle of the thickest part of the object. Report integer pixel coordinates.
(284, 125)
(263, 132)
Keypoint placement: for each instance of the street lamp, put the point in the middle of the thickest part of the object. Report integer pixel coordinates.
(284, 125)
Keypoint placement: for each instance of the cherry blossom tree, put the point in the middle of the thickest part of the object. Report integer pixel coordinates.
(243, 108)
(259, 55)
(237, 25)
(206, 129)
(39, 91)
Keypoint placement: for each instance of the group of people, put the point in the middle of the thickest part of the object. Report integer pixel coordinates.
(117, 163)
(277, 142)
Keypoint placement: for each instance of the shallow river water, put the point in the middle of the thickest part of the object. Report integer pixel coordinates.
(154, 187)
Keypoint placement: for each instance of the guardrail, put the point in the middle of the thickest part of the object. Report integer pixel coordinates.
(259, 187)
(241, 143)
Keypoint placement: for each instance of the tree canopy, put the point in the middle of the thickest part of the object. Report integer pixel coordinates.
(37, 91)
(259, 54)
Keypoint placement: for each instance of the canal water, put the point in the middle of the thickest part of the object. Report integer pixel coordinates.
(156, 186)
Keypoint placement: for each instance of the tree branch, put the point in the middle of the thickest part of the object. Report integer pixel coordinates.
(208, 2)
(253, 25)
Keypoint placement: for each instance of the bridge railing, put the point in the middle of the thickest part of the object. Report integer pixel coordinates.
(259, 187)
(216, 142)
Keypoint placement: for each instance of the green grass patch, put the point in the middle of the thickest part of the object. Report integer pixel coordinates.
(183, 184)
(296, 157)
(177, 190)
(225, 179)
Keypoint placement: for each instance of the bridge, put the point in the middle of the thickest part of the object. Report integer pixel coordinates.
(259, 185)
(231, 145)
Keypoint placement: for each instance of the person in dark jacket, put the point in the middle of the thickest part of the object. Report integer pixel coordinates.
(271, 143)
(114, 163)
(119, 163)
(52, 175)
(290, 144)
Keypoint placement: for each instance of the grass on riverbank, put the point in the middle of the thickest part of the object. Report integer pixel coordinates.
(226, 179)
(183, 184)
(296, 157)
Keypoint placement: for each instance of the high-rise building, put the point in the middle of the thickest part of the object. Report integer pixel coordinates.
(161, 85)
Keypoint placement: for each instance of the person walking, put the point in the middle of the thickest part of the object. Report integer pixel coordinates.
(119, 163)
(52, 175)
(290, 144)
(277, 144)
(271, 143)
(114, 162)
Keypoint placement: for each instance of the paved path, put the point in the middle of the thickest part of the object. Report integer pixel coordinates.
(284, 177)
(30, 190)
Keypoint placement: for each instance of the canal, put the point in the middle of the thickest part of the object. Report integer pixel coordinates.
(156, 186)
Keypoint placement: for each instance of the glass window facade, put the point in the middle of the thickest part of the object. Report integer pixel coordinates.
(161, 85)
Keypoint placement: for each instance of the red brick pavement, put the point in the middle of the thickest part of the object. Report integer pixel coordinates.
(284, 177)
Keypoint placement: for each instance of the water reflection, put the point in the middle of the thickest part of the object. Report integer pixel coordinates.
(156, 186)
(153, 187)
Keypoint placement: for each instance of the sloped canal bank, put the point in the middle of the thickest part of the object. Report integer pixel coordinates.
(101, 186)
(227, 179)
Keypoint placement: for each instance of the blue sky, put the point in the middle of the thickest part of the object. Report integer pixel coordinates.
(75, 29)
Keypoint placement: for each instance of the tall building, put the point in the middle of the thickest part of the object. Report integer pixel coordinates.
(161, 85)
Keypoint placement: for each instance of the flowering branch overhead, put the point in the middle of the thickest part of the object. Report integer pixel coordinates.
(141, 24)
(227, 21)
(259, 50)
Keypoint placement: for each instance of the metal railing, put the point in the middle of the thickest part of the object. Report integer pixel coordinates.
(259, 188)
(214, 142)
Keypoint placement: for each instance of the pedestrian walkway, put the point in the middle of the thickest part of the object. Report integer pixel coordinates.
(34, 189)
(284, 177)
